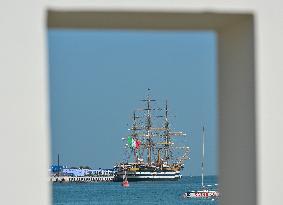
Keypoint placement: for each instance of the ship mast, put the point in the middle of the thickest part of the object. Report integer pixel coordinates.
(167, 144)
(202, 163)
(134, 134)
(148, 127)
(167, 140)
(146, 134)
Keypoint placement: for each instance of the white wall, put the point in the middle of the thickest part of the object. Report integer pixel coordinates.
(24, 142)
(24, 105)
(236, 87)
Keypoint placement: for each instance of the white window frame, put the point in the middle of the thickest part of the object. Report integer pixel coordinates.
(236, 81)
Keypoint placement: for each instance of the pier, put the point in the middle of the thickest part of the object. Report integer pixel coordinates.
(81, 179)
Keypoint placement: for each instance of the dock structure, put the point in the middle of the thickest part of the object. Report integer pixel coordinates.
(60, 174)
(81, 179)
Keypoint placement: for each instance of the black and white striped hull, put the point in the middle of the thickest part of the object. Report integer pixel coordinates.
(149, 176)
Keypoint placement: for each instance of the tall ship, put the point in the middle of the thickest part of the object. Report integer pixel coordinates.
(152, 150)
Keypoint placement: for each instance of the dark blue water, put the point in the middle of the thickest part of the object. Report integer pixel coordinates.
(138, 192)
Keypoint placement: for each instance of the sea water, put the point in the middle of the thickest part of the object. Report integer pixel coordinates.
(153, 193)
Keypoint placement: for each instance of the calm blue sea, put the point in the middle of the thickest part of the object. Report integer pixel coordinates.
(138, 192)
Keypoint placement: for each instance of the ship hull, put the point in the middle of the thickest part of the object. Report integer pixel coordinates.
(148, 176)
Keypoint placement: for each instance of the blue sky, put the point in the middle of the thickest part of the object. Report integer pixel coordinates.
(98, 77)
